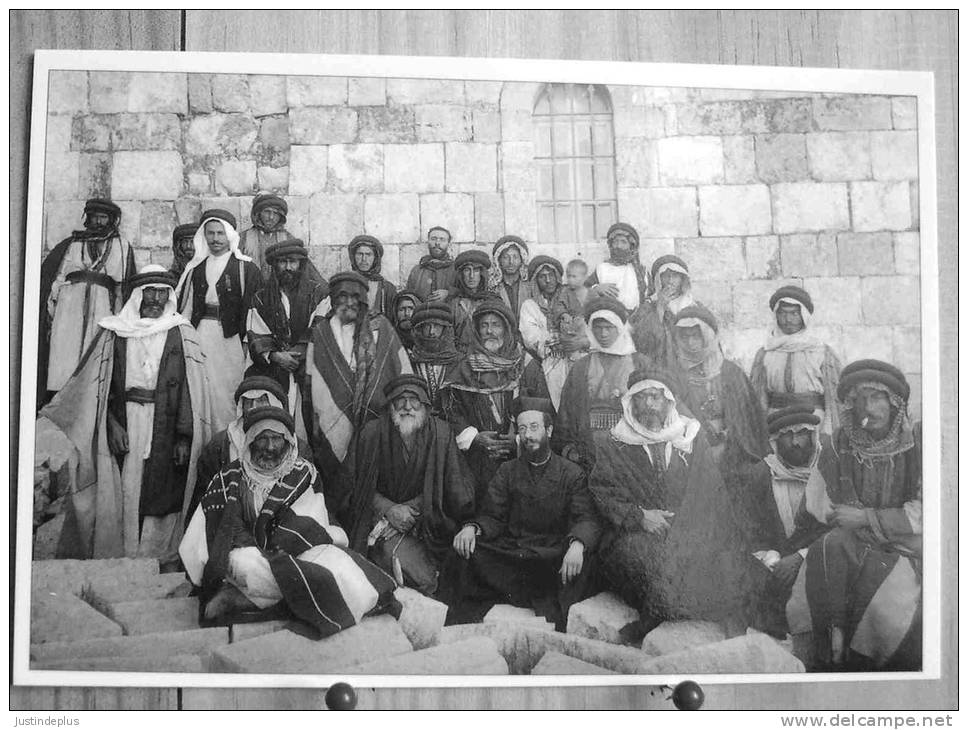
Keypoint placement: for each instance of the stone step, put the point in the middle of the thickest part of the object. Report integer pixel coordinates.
(422, 617)
(65, 617)
(285, 652)
(600, 617)
(554, 662)
(243, 632)
(614, 657)
(672, 636)
(172, 663)
(750, 654)
(474, 656)
(151, 617)
(103, 590)
(197, 641)
(509, 637)
(506, 613)
(71, 576)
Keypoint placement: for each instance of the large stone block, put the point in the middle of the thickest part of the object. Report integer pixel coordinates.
(739, 159)
(425, 91)
(60, 218)
(229, 135)
(636, 163)
(663, 211)
(196, 641)
(789, 115)
(154, 616)
(367, 91)
(285, 652)
(453, 211)
(335, 218)
(904, 112)
(639, 121)
(555, 663)
(867, 341)
(616, 658)
(734, 210)
(329, 258)
(751, 300)
(690, 160)
(417, 168)
(91, 133)
(108, 91)
(894, 155)
(600, 617)
(267, 95)
(230, 92)
(891, 300)
(483, 92)
(486, 125)
(506, 613)
(879, 206)
(273, 147)
(130, 227)
(297, 222)
(863, 254)
(717, 296)
(751, 654)
(907, 349)
(907, 253)
(672, 636)
(809, 254)
(392, 218)
(387, 124)
(188, 663)
(244, 632)
(94, 176)
(322, 125)
(316, 90)
(781, 157)
(713, 258)
(146, 132)
(308, 168)
(106, 590)
(808, 206)
(741, 345)
(356, 168)
(273, 179)
(200, 93)
(67, 92)
(474, 656)
(61, 175)
(199, 183)
(488, 218)
(517, 166)
(520, 215)
(471, 167)
(837, 156)
(517, 125)
(158, 92)
(836, 300)
(237, 177)
(763, 257)
(710, 118)
(649, 249)
(853, 111)
(421, 618)
(158, 220)
(442, 123)
(65, 617)
(147, 176)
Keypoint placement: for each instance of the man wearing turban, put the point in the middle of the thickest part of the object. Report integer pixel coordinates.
(653, 325)
(268, 227)
(434, 352)
(366, 259)
(469, 292)
(622, 276)
(182, 247)
(510, 253)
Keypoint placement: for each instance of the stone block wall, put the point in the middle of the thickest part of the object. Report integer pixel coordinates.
(753, 189)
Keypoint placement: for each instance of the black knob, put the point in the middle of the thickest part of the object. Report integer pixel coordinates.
(688, 696)
(342, 696)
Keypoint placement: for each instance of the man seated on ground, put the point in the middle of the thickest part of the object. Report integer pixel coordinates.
(261, 538)
(534, 536)
(674, 548)
(402, 489)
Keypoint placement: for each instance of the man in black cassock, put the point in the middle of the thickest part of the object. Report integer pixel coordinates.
(532, 541)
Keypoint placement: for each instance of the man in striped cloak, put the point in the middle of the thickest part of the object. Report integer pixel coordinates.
(350, 359)
(863, 577)
(262, 536)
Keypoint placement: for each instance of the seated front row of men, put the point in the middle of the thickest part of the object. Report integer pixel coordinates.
(475, 492)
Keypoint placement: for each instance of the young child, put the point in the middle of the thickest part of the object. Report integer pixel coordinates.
(575, 292)
(567, 319)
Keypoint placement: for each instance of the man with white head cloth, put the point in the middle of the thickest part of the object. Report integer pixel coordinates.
(591, 396)
(262, 537)
(139, 411)
(215, 294)
(653, 326)
(795, 367)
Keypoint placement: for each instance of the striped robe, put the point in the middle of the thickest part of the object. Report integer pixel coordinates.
(288, 551)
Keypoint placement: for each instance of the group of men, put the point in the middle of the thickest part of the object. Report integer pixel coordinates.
(503, 429)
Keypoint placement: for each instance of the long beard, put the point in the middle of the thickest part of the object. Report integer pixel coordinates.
(267, 460)
(492, 344)
(408, 423)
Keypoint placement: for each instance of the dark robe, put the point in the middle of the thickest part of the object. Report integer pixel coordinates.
(163, 483)
(236, 287)
(573, 432)
(431, 275)
(654, 334)
(514, 295)
(533, 382)
(528, 519)
(702, 567)
(379, 472)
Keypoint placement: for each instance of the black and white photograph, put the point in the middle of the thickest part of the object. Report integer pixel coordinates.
(454, 372)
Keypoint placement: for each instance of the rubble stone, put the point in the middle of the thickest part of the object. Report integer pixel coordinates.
(230, 93)
(146, 132)
(273, 179)
(750, 654)
(316, 90)
(267, 95)
(555, 663)
(64, 617)
(600, 617)
(422, 618)
(158, 92)
(236, 177)
(477, 656)
(154, 616)
(672, 636)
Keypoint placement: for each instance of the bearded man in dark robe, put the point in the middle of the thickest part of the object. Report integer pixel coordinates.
(433, 277)
(80, 283)
(434, 352)
(863, 578)
(533, 539)
(182, 247)
(403, 488)
(674, 548)
(280, 321)
(351, 357)
(591, 397)
(401, 314)
(261, 544)
(366, 259)
(479, 390)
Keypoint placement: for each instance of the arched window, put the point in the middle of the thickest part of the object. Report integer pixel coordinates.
(575, 156)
